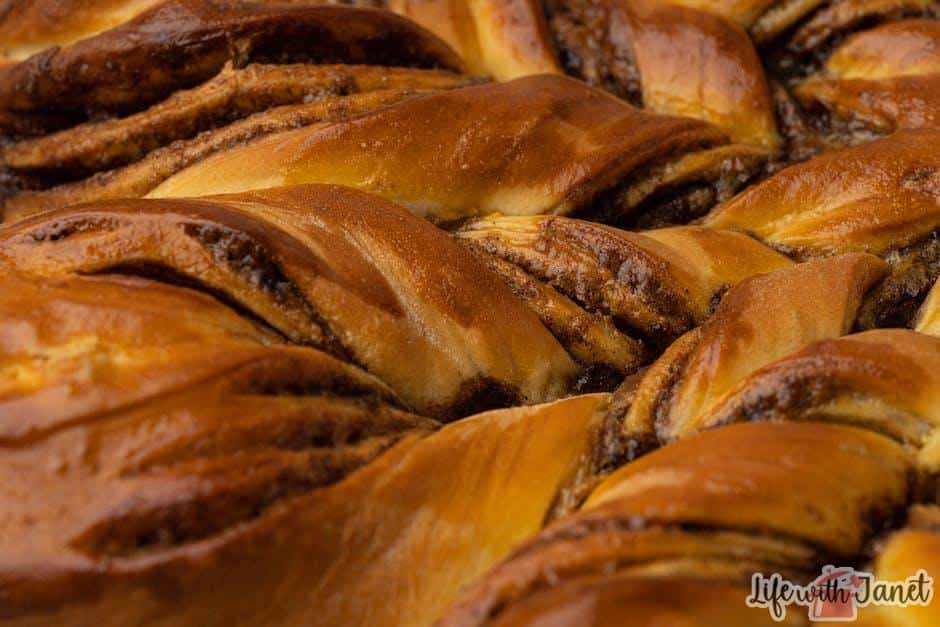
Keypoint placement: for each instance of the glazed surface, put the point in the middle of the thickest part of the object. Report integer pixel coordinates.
(426, 312)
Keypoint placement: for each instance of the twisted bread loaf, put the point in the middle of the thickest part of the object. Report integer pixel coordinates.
(829, 85)
(244, 304)
(835, 440)
(692, 286)
(361, 279)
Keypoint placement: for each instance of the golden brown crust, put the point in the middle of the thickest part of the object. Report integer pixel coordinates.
(717, 260)
(347, 541)
(182, 42)
(137, 179)
(622, 552)
(680, 191)
(605, 157)
(624, 574)
(851, 71)
(908, 550)
(163, 352)
(779, 16)
(500, 38)
(224, 409)
(885, 380)
(807, 302)
(722, 83)
(876, 198)
(816, 23)
(541, 144)
(882, 79)
(871, 480)
(674, 60)
(882, 106)
(504, 39)
(229, 96)
(519, 460)
(928, 317)
(329, 267)
(603, 351)
(709, 508)
(614, 299)
(235, 107)
(907, 47)
(619, 600)
(29, 26)
(743, 12)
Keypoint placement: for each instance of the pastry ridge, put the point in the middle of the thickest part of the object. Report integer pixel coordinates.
(490, 312)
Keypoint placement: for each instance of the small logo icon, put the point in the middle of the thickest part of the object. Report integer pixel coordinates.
(837, 593)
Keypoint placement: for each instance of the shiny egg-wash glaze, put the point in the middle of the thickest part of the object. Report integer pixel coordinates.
(255, 408)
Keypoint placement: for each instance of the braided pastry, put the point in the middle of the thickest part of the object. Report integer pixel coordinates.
(364, 281)
(834, 441)
(690, 522)
(615, 299)
(499, 312)
(545, 144)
